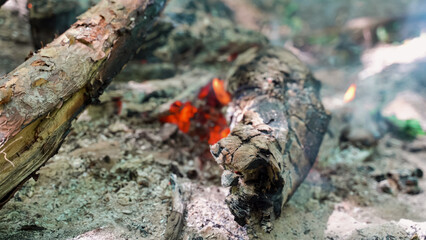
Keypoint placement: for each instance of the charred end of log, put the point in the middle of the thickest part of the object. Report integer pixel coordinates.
(251, 160)
(278, 123)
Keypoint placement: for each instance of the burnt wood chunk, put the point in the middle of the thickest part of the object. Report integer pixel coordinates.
(278, 124)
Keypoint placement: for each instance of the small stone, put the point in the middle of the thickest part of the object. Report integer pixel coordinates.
(143, 181)
(30, 193)
(388, 186)
(127, 211)
(167, 130)
(358, 137)
(118, 127)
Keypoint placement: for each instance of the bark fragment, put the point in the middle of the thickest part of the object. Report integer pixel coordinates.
(278, 123)
(175, 220)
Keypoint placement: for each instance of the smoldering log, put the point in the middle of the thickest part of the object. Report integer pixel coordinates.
(40, 98)
(277, 126)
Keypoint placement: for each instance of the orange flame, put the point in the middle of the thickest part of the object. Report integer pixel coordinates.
(219, 131)
(180, 114)
(350, 93)
(210, 124)
(221, 94)
(215, 94)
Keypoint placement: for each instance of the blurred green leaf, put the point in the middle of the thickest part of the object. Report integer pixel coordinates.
(410, 127)
(291, 9)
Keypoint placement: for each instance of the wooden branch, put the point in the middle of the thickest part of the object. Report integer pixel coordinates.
(175, 221)
(53, 17)
(278, 123)
(40, 98)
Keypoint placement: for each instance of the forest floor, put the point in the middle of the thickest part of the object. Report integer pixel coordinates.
(111, 177)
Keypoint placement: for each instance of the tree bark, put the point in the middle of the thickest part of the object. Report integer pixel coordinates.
(53, 17)
(278, 123)
(40, 98)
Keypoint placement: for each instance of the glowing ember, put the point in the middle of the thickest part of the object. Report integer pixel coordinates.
(350, 93)
(206, 121)
(232, 57)
(218, 131)
(180, 114)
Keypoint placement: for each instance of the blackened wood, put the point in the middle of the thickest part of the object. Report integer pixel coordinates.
(278, 123)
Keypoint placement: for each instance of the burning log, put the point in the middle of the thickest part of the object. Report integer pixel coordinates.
(277, 126)
(40, 98)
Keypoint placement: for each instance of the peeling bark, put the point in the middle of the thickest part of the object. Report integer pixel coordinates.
(53, 17)
(40, 98)
(175, 220)
(278, 123)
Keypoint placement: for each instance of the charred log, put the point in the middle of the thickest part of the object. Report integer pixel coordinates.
(277, 126)
(40, 98)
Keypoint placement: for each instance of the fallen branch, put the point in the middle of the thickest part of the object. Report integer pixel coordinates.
(40, 98)
(278, 123)
(175, 221)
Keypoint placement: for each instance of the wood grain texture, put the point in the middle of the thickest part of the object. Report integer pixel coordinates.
(40, 98)
(278, 123)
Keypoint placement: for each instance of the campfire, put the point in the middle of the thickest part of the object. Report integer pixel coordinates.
(212, 119)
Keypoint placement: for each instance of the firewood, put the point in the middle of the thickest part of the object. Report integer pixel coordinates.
(40, 98)
(49, 18)
(175, 221)
(277, 126)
